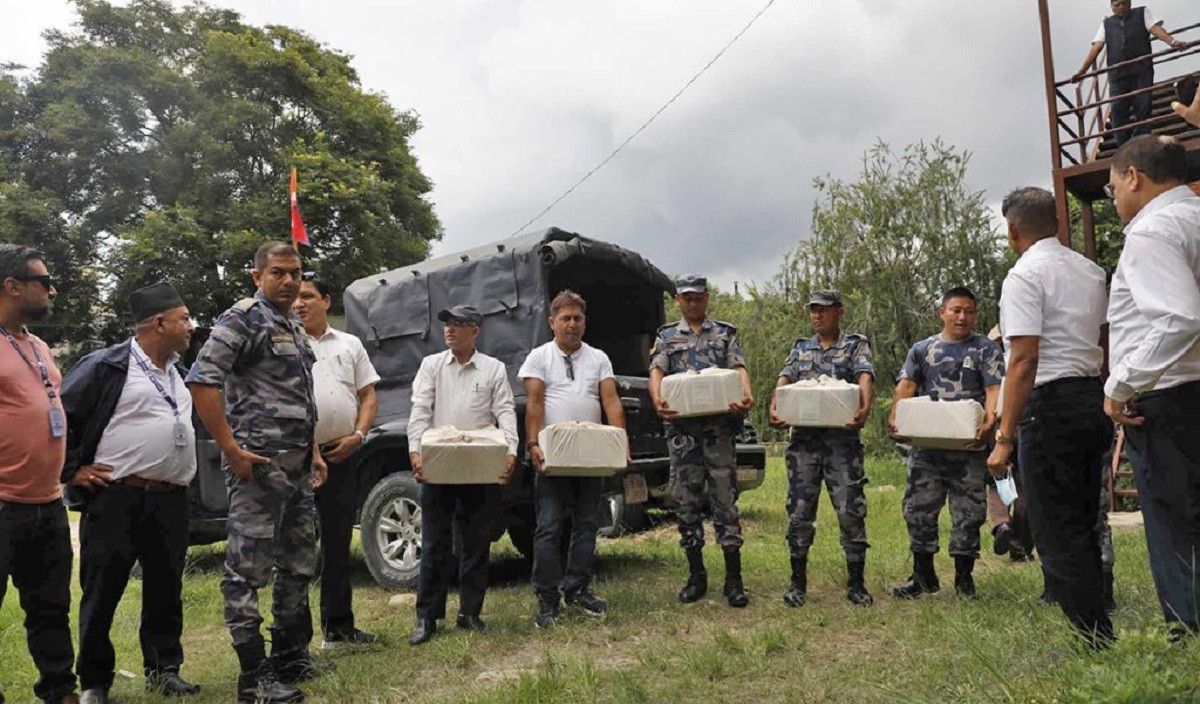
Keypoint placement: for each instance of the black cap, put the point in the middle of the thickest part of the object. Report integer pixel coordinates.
(824, 298)
(461, 314)
(152, 300)
(692, 283)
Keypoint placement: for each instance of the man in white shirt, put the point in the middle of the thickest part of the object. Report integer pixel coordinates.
(131, 451)
(1052, 313)
(469, 390)
(566, 379)
(344, 389)
(1154, 386)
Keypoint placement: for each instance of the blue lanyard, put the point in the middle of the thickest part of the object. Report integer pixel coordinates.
(40, 367)
(169, 398)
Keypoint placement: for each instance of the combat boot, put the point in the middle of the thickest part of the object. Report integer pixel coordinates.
(923, 580)
(735, 593)
(697, 584)
(856, 590)
(796, 596)
(257, 683)
(291, 660)
(964, 583)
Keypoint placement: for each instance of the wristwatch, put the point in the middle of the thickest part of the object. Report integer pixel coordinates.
(1005, 439)
(531, 444)
(362, 438)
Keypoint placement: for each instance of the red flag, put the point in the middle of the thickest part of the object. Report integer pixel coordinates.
(299, 232)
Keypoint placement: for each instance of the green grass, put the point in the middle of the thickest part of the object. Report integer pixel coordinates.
(1002, 647)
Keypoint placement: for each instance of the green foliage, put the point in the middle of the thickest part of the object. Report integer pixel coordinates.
(1110, 232)
(156, 142)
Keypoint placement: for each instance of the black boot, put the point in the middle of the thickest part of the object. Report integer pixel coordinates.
(257, 683)
(292, 661)
(1110, 603)
(796, 595)
(964, 583)
(733, 590)
(856, 590)
(697, 584)
(923, 580)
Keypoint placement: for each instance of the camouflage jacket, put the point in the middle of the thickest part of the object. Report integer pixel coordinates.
(677, 349)
(845, 359)
(954, 371)
(264, 363)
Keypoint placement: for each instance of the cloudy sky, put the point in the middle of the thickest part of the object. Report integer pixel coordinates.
(519, 98)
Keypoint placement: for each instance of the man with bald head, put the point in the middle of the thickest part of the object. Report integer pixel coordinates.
(131, 454)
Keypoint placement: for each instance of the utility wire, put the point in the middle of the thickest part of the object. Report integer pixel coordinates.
(648, 122)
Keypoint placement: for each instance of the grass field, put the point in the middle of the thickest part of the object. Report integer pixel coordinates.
(1002, 647)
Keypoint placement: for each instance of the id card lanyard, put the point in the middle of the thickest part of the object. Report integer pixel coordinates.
(180, 430)
(58, 424)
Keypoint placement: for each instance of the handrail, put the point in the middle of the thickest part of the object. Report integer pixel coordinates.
(1165, 118)
(1148, 89)
(1137, 60)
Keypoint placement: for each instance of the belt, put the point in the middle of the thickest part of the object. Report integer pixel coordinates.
(1063, 385)
(153, 486)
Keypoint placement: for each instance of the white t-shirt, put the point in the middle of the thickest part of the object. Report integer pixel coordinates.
(342, 370)
(1150, 22)
(567, 399)
(1057, 295)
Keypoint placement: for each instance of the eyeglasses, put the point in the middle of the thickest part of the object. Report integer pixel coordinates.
(45, 280)
(570, 367)
(1110, 191)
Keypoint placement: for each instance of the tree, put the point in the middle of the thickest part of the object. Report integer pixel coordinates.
(162, 140)
(1110, 232)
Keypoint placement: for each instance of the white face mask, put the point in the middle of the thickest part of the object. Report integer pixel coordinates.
(1006, 489)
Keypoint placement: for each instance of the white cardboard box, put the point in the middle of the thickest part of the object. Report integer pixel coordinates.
(941, 425)
(817, 403)
(706, 393)
(453, 456)
(575, 449)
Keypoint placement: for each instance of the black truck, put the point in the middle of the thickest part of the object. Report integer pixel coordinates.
(511, 283)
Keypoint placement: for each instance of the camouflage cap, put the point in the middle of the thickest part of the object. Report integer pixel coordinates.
(461, 314)
(824, 298)
(692, 283)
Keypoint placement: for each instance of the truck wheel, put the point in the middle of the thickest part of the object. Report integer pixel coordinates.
(620, 518)
(390, 529)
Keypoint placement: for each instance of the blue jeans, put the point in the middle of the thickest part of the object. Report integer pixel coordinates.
(1165, 452)
(560, 498)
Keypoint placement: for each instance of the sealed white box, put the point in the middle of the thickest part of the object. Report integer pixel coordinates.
(942, 425)
(817, 403)
(575, 449)
(453, 456)
(702, 394)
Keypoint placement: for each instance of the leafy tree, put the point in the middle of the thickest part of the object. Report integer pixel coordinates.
(161, 141)
(1110, 232)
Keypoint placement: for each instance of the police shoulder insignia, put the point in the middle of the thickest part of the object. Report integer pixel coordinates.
(857, 337)
(730, 326)
(244, 304)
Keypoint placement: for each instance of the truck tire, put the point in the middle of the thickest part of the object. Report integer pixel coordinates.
(619, 518)
(390, 529)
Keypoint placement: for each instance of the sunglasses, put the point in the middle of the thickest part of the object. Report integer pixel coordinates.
(570, 367)
(45, 280)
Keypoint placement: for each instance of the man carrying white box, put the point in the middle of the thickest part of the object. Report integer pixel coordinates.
(954, 365)
(825, 451)
(567, 380)
(467, 390)
(702, 447)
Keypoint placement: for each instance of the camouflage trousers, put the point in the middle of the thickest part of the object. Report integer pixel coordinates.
(272, 529)
(934, 475)
(704, 469)
(834, 456)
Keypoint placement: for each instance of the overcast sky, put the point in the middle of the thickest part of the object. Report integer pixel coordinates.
(519, 98)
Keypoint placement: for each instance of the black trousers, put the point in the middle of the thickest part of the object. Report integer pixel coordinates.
(443, 506)
(1126, 111)
(122, 525)
(1165, 451)
(560, 499)
(1062, 438)
(336, 501)
(35, 550)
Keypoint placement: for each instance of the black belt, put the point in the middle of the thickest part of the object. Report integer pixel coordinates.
(153, 486)
(1064, 385)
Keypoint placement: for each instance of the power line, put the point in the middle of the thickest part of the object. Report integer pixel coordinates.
(648, 122)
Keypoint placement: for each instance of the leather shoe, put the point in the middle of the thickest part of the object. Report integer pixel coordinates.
(95, 695)
(422, 631)
(170, 684)
(471, 623)
(1001, 539)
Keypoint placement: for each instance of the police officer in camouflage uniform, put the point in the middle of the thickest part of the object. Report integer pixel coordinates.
(954, 365)
(258, 354)
(702, 448)
(834, 455)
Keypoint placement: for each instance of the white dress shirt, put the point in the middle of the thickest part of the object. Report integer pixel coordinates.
(140, 437)
(467, 396)
(1057, 295)
(341, 371)
(568, 399)
(1154, 306)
